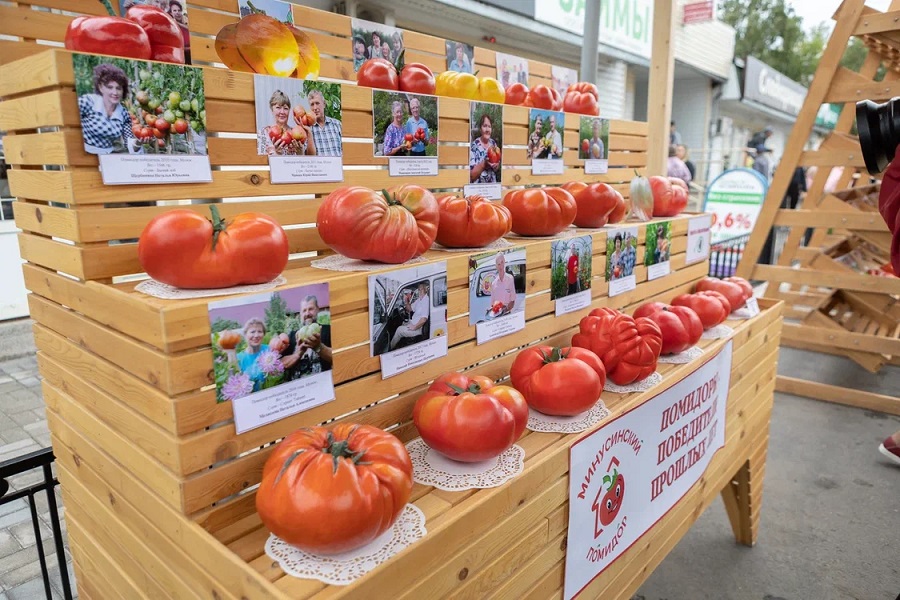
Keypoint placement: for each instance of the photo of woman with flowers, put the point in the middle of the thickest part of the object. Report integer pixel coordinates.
(269, 340)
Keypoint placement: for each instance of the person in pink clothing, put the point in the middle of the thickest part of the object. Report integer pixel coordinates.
(503, 289)
(889, 206)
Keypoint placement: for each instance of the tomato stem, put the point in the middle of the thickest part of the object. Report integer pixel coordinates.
(218, 224)
(473, 388)
(555, 355)
(391, 200)
(109, 8)
(339, 450)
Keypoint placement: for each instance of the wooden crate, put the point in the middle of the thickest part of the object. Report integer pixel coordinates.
(159, 488)
(504, 542)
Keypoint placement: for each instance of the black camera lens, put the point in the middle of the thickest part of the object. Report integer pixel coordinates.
(878, 126)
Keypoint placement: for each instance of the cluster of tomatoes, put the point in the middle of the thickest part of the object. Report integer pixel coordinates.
(412, 138)
(158, 120)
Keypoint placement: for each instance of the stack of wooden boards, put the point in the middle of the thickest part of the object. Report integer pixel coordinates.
(834, 293)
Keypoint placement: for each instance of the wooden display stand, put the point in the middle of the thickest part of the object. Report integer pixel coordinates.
(842, 309)
(159, 489)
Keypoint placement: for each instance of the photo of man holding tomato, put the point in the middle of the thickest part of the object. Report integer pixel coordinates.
(571, 266)
(417, 127)
(309, 348)
(404, 125)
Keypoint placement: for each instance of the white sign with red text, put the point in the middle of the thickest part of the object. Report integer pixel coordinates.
(628, 474)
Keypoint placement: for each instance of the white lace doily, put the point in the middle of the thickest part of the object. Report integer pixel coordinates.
(718, 332)
(638, 386)
(741, 313)
(495, 245)
(344, 569)
(430, 467)
(339, 262)
(157, 289)
(538, 421)
(682, 358)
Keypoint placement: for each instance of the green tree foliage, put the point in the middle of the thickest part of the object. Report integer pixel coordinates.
(221, 324)
(330, 91)
(276, 315)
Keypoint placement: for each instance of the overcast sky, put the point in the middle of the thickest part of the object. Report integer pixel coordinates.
(816, 11)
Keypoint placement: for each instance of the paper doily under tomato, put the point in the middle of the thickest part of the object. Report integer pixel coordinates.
(430, 467)
(338, 262)
(344, 569)
(682, 358)
(164, 291)
(717, 333)
(539, 422)
(638, 386)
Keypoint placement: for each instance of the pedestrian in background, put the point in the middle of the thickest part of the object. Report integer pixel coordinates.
(677, 168)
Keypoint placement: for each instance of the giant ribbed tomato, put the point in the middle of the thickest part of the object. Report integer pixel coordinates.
(417, 79)
(558, 381)
(470, 419)
(581, 103)
(330, 491)
(712, 307)
(471, 222)
(541, 96)
(629, 348)
(680, 326)
(378, 73)
(187, 250)
(540, 211)
(744, 285)
(390, 228)
(595, 202)
(733, 291)
(584, 87)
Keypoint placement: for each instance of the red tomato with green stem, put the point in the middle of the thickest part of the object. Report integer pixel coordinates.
(516, 94)
(378, 73)
(680, 326)
(392, 227)
(712, 307)
(331, 491)
(558, 381)
(471, 222)
(540, 211)
(470, 419)
(185, 249)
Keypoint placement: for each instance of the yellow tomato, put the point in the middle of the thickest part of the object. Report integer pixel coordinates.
(490, 90)
(456, 85)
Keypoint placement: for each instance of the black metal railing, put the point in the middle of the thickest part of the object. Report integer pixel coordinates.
(40, 459)
(725, 255)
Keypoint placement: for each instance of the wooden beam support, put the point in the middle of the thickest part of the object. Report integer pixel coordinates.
(662, 69)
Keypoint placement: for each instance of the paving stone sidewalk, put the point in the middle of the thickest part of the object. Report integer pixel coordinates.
(23, 429)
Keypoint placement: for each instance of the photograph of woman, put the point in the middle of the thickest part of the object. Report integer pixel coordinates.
(280, 138)
(459, 57)
(374, 40)
(105, 124)
(394, 144)
(484, 151)
(254, 332)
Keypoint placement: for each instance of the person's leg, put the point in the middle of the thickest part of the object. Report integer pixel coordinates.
(403, 331)
(890, 447)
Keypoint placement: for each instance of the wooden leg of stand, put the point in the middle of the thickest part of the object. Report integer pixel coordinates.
(743, 498)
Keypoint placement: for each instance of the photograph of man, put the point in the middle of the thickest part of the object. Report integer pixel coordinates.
(419, 310)
(572, 270)
(326, 131)
(360, 53)
(555, 139)
(596, 140)
(312, 355)
(414, 123)
(629, 255)
(503, 288)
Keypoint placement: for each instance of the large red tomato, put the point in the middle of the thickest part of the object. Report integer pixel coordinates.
(680, 326)
(629, 348)
(663, 196)
(540, 211)
(712, 307)
(417, 79)
(541, 96)
(582, 103)
(557, 99)
(187, 250)
(470, 419)
(744, 284)
(378, 73)
(360, 223)
(558, 381)
(472, 222)
(331, 491)
(595, 202)
(584, 87)
(733, 291)
(516, 94)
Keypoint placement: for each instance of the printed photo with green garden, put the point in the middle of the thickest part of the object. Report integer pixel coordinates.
(571, 266)
(405, 124)
(270, 340)
(296, 117)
